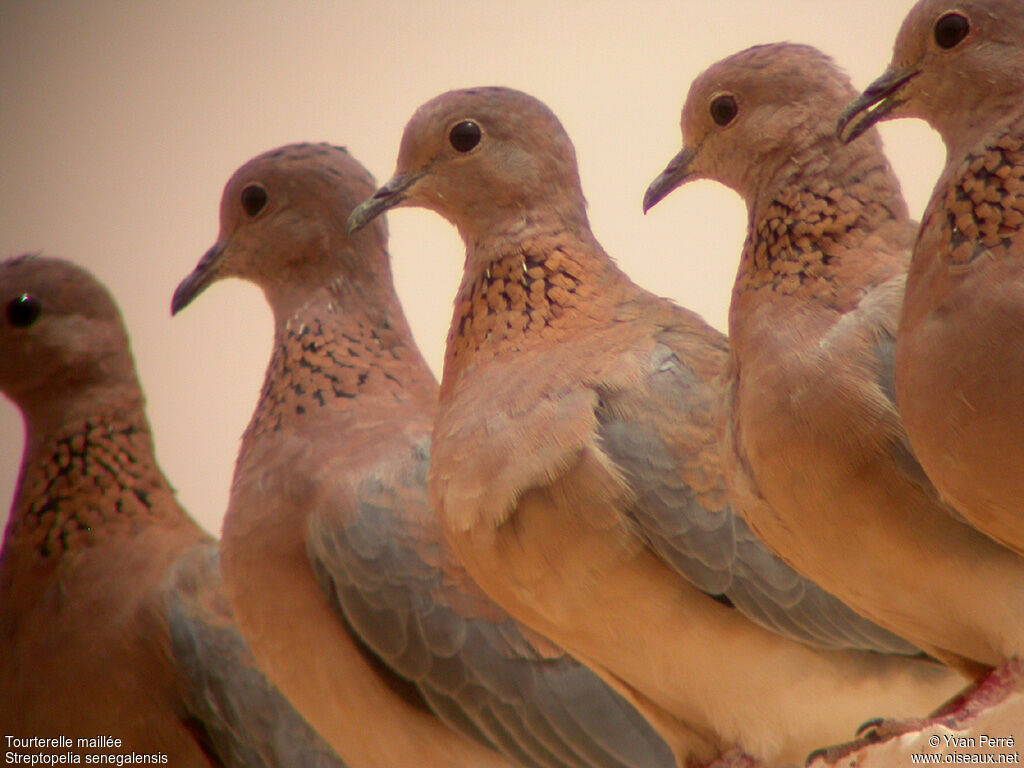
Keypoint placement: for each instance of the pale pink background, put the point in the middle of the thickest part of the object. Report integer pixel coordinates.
(120, 122)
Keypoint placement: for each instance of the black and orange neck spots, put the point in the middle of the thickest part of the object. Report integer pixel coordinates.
(802, 234)
(318, 363)
(541, 291)
(98, 474)
(983, 202)
(516, 296)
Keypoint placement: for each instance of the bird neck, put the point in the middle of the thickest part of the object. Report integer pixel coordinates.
(533, 291)
(92, 476)
(987, 115)
(830, 224)
(344, 345)
(976, 209)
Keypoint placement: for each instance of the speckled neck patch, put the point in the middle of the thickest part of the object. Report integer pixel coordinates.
(97, 474)
(521, 295)
(984, 202)
(316, 364)
(802, 232)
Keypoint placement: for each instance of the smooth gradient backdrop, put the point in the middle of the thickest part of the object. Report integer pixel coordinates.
(120, 122)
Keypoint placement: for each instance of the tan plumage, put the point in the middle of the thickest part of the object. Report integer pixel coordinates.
(575, 457)
(959, 362)
(112, 619)
(814, 429)
(329, 544)
(366, 714)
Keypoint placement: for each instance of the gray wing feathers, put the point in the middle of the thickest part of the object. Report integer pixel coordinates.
(247, 721)
(714, 548)
(695, 541)
(479, 675)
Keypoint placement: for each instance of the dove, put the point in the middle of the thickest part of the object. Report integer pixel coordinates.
(959, 364)
(575, 463)
(813, 428)
(113, 619)
(329, 544)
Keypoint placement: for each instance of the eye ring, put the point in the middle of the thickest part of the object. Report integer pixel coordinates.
(24, 310)
(254, 200)
(951, 29)
(723, 109)
(465, 136)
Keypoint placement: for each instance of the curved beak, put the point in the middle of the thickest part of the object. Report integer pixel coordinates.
(388, 196)
(197, 281)
(878, 100)
(675, 174)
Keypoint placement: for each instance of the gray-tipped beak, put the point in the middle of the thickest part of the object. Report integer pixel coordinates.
(674, 175)
(196, 282)
(878, 100)
(388, 196)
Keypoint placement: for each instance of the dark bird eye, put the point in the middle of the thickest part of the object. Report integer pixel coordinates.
(465, 136)
(24, 310)
(723, 109)
(254, 199)
(951, 29)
